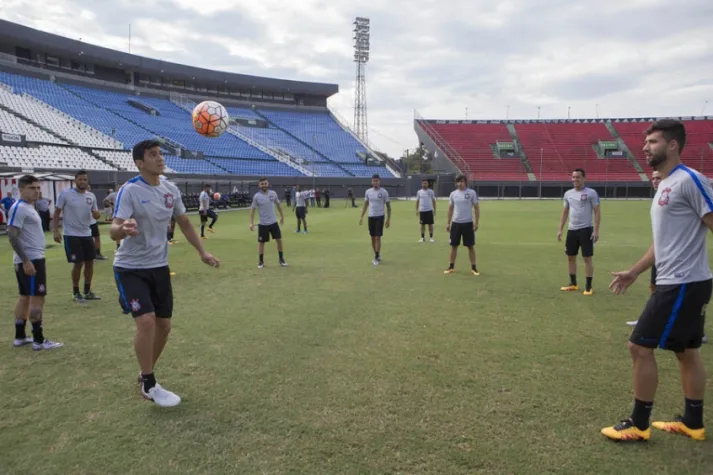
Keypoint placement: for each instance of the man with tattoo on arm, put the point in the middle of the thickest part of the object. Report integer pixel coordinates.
(28, 241)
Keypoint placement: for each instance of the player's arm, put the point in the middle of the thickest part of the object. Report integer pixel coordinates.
(364, 208)
(418, 198)
(13, 235)
(597, 220)
(388, 212)
(450, 216)
(121, 228)
(122, 224)
(563, 219)
(434, 204)
(54, 226)
(476, 213)
(279, 210)
(622, 280)
(191, 235)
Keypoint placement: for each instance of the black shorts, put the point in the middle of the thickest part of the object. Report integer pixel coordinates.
(32, 285)
(204, 216)
(674, 317)
(376, 226)
(300, 212)
(426, 217)
(462, 230)
(653, 274)
(579, 238)
(79, 249)
(143, 291)
(264, 232)
(95, 230)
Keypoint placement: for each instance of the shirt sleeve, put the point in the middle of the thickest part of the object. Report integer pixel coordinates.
(61, 200)
(178, 207)
(451, 200)
(254, 203)
(366, 195)
(699, 194)
(95, 206)
(16, 216)
(566, 200)
(386, 199)
(475, 198)
(277, 198)
(594, 199)
(124, 208)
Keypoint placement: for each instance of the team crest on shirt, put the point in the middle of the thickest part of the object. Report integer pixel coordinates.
(168, 200)
(665, 196)
(135, 305)
(583, 197)
(467, 196)
(272, 198)
(380, 195)
(89, 201)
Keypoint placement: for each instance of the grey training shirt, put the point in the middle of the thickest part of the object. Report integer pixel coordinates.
(581, 206)
(300, 199)
(682, 199)
(24, 217)
(152, 206)
(377, 201)
(77, 212)
(425, 199)
(265, 204)
(463, 202)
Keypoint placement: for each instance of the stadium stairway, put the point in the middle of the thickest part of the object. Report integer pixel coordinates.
(630, 156)
(523, 156)
(39, 126)
(317, 152)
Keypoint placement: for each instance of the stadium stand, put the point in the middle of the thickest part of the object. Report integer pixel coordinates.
(50, 157)
(10, 123)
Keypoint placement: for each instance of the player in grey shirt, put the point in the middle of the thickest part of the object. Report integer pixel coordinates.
(300, 208)
(674, 317)
(144, 207)
(425, 209)
(463, 204)
(580, 205)
(265, 201)
(376, 200)
(28, 243)
(79, 207)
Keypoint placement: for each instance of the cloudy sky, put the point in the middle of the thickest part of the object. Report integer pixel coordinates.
(623, 58)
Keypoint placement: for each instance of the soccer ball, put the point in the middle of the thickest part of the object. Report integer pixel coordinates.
(216, 196)
(210, 119)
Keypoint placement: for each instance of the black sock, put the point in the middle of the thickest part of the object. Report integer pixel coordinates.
(87, 287)
(37, 332)
(423, 236)
(20, 333)
(589, 283)
(202, 230)
(299, 226)
(282, 258)
(641, 414)
(431, 234)
(376, 254)
(260, 258)
(149, 381)
(475, 268)
(693, 415)
(76, 290)
(573, 279)
(452, 265)
(170, 236)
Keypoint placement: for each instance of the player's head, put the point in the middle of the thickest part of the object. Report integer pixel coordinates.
(655, 179)
(665, 139)
(29, 186)
(148, 157)
(578, 177)
(297, 187)
(81, 180)
(206, 187)
(424, 184)
(9, 194)
(263, 184)
(461, 182)
(375, 180)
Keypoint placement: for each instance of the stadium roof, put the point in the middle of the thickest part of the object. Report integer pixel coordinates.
(29, 37)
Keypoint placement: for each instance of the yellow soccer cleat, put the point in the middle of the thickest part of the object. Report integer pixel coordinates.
(474, 272)
(569, 288)
(449, 271)
(588, 292)
(626, 431)
(678, 427)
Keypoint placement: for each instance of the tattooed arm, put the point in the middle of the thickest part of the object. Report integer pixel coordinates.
(13, 234)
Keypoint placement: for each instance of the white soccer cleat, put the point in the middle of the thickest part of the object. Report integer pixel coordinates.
(20, 342)
(432, 240)
(375, 262)
(283, 263)
(632, 323)
(47, 345)
(421, 240)
(162, 397)
(260, 265)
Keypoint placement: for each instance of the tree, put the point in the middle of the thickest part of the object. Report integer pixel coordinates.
(416, 161)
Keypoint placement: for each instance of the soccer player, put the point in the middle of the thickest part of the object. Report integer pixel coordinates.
(462, 201)
(376, 199)
(265, 201)
(144, 207)
(79, 207)
(27, 239)
(109, 203)
(673, 318)
(96, 234)
(205, 211)
(579, 204)
(301, 209)
(426, 209)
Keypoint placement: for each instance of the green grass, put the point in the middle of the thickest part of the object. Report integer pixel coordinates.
(332, 366)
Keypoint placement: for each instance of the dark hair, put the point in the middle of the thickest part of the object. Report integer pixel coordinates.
(26, 180)
(461, 178)
(79, 173)
(671, 129)
(206, 185)
(262, 178)
(425, 179)
(141, 147)
(580, 170)
(375, 175)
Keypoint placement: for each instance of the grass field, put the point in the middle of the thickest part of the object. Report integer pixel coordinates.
(333, 366)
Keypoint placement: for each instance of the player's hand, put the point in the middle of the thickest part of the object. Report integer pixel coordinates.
(96, 214)
(252, 227)
(210, 260)
(388, 223)
(448, 228)
(652, 287)
(361, 221)
(475, 227)
(595, 236)
(282, 220)
(622, 281)
(29, 268)
(57, 236)
(559, 236)
(416, 212)
(129, 228)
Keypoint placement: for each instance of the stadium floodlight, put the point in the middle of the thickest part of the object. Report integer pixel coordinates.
(362, 46)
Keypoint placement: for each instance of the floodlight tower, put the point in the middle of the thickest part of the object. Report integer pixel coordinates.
(361, 57)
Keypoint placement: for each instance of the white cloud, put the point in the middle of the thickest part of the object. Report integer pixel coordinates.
(624, 58)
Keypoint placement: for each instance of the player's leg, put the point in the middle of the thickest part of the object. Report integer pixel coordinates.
(21, 312)
(162, 298)
(204, 219)
(89, 256)
(76, 276)
(38, 291)
(587, 245)
(213, 218)
(455, 239)
(430, 232)
(571, 249)
(469, 242)
(423, 232)
(276, 234)
(299, 220)
(304, 219)
(96, 235)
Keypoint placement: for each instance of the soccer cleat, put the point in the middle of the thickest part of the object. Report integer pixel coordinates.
(298, 231)
(283, 263)
(678, 427)
(632, 323)
(626, 431)
(22, 341)
(569, 288)
(160, 396)
(203, 237)
(421, 240)
(704, 339)
(78, 298)
(304, 232)
(46, 345)
(375, 262)
(260, 265)
(172, 274)
(588, 292)
(91, 296)
(99, 257)
(449, 271)
(474, 272)
(211, 230)
(432, 240)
